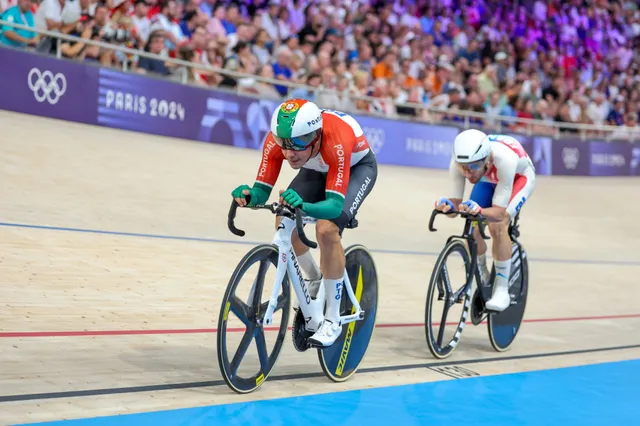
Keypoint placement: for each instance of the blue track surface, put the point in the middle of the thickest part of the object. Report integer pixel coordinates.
(600, 394)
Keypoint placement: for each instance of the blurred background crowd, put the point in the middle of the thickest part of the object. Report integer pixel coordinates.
(569, 61)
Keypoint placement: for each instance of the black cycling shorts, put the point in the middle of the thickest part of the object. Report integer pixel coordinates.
(310, 185)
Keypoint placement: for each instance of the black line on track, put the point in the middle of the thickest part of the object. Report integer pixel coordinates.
(212, 383)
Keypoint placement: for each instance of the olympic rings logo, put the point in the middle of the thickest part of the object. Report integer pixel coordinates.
(570, 157)
(375, 136)
(46, 86)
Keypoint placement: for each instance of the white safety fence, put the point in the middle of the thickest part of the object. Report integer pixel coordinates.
(421, 112)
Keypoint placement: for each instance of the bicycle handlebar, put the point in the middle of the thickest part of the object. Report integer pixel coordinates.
(478, 218)
(276, 208)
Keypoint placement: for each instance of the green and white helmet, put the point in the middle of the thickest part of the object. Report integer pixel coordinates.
(296, 124)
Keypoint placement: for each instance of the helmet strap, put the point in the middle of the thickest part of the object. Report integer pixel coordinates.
(317, 143)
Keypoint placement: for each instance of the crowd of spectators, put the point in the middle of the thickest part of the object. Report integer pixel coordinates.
(569, 61)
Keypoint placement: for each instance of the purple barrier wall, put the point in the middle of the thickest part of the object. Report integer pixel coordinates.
(48, 87)
(408, 143)
(75, 91)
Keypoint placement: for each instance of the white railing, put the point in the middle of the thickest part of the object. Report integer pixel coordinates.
(424, 113)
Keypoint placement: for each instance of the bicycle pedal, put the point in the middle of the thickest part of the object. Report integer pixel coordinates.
(313, 346)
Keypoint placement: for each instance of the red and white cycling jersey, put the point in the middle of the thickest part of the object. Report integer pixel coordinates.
(510, 161)
(343, 145)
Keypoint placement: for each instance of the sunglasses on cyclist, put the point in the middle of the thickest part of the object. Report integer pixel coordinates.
(472, 167)
(299, 143)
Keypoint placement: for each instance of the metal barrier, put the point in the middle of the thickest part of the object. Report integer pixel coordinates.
(433, 115)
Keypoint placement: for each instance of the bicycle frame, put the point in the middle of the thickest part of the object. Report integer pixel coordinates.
(468, 235)
(288, 263)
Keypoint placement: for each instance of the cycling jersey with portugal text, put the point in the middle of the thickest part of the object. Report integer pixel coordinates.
(343, 146)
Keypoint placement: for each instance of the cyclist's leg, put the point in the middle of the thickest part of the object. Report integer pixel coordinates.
(309, 184)
(522, 190)
(362, 179)
(482, 193)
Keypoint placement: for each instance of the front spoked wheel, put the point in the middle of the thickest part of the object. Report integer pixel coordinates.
(241, 319)
(341, 360)
(450, 274)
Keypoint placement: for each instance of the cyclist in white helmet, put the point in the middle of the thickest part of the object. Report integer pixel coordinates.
(338, 170)
(504, 178)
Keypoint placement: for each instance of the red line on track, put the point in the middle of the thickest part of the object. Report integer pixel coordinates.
(240, 330)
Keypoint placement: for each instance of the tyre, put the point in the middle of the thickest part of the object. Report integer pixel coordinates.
(341, 360)
(439, 290)
(251, 314)
(503, 327)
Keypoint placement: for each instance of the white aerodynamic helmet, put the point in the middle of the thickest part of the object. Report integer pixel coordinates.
(470, 146)
(296, 124)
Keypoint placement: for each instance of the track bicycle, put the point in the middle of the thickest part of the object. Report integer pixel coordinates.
(341, 360)
(502, 326)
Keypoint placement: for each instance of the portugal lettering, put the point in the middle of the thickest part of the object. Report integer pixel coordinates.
(265, 158)
(340, 174)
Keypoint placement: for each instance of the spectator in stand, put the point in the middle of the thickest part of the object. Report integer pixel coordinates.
(215, 26)
(141, 22)
(259, 47)
(281, 70)
(78, 49)
(569, 61)
(155, 45)
(232, 18)
(240, 61)
(166, 21)
(310, 92)
(49, 16)
(6, 4)
(19, 14)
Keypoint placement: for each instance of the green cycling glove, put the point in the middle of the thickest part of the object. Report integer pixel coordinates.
(292, 198)
(257, 194)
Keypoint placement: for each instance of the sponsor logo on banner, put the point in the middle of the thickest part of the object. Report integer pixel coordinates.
(46, 86)
(376, 137)
(132, 102)
(570, 157)
(608, 160)
(135, 102)
(428, 147)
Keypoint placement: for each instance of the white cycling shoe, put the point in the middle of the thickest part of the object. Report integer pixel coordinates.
(327, 334)
(500, 299)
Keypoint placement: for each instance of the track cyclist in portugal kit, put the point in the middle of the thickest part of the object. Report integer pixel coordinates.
(337, 170)
(504, 178)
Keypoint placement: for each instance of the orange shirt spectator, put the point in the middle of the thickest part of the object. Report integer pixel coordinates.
(384, 68)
